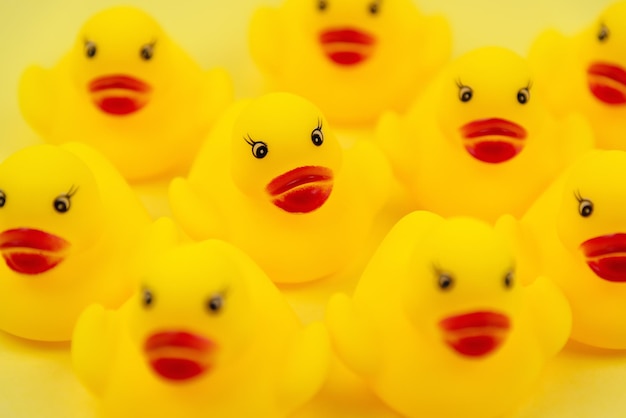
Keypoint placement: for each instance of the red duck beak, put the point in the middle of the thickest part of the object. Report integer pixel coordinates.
(606, 256)
(301, 190)
(347, 46)
(493, 140)
(178, 355)
(119, 95)
(475, 334)
(31, 251)
(607, 82)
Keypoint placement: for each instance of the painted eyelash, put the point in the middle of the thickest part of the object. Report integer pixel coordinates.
(72, 191)
(222, 292)
(459, 83)
(249, 140)
(437, 269)
(578, 196)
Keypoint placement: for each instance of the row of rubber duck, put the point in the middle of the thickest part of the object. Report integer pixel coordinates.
(512, 241)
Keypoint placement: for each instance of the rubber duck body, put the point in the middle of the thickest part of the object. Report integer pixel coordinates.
(274, 180)
(479, 142)
(207, 335)
(586, 73)
(128, 90)
(69, 224)
(579, 229)
(331, 51)
(453, 324)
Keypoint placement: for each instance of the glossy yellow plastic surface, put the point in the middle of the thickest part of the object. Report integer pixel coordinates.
(479, 142)
(586, 73)
(273, 179)
(439, 325)
(353, 58)
(129, 91)
(580, 228)
(207, 334)
(69, 225)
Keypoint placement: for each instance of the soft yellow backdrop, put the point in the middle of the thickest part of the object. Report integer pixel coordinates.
(581, 382)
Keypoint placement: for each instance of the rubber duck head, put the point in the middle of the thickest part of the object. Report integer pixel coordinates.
(119, 58)
(193, 314)
(601, 51)
(590, 222)
(467, 297)
(284, 153)
(50, 209)
(352, 33)
(486, 105)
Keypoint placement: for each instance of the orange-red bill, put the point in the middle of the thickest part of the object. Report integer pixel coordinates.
(119, 95)
(178, 355)
(475, 334)
(493, 140)
(32, 251)
(301, 190)
(347, 46)
(607, 82)
(606, 256)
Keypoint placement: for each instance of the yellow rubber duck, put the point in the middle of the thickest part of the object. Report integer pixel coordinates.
(479, 142)
(586, 73)
(273, 180)
(129, 91)
(331, 51)
(69, 224)
(580, 231)
(207, 334)
(453, 324)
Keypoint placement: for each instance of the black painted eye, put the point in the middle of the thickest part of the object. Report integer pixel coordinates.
(509, 280)
(62, 203)
(147, 51)
(259, 150)
(90, 49)
(585, 208)
(465, 93)
(322, 5)
(445, 281)
(147, 299)
(523, 96)
(317, 136)
(603, 34)
(374, 8)
(3, 199)
(215, 304)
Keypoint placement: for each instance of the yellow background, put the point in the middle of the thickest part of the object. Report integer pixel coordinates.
(581, 382)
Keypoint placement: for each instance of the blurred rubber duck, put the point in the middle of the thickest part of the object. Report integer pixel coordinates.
(580, 232)
(331, 51)
(462, 324)
(273, 180)
(208, 334)
(586, 73)
(129, 91)
(69, 224)
(479, 142)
